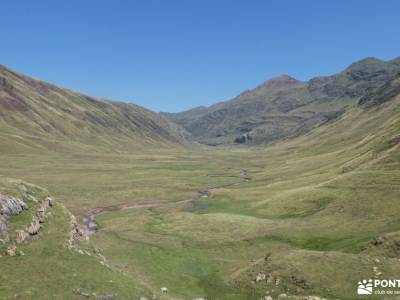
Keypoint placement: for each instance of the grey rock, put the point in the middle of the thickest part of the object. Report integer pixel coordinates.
(22, 236)
(12, 250)
(11, 206)
(34, 227)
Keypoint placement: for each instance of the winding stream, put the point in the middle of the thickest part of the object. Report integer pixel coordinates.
(89, 217)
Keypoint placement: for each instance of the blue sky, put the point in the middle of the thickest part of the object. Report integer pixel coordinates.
(173, 55)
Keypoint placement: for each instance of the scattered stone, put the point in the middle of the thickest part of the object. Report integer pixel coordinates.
(143, 298)
(277, 282)
(300, 282)
(34, 227)
(282, 296)
(50, 201)
(266, 298)
(76, 233)
(81, 292)
(198, 299)
(260, 277)
(378, 241)
(41, 214)
(270, 279)
(22, 236)
(12, 250)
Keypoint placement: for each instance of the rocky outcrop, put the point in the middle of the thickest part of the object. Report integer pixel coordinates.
(9, 206)
(76, 233)
(40, 216)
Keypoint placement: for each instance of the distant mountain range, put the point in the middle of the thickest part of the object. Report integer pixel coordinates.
(284, 107)
(35, 114)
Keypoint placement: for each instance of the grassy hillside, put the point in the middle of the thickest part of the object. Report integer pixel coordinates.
(39, 115)
(285, 107)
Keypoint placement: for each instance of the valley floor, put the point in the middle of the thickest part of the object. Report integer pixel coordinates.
(299, 217)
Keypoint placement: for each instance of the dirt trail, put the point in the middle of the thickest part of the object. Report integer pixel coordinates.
(89, 217)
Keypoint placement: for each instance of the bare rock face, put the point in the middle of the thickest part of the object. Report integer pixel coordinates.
(34, 227)
(9, 206)
(12, 250)
(22, 236)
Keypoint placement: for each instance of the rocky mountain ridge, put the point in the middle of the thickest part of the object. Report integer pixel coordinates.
(284, 107)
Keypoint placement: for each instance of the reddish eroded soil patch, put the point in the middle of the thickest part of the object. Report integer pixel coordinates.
(11, 104)
(132, 204)
(10, 100)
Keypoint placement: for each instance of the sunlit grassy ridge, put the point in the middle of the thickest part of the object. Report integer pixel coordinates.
(35, 115)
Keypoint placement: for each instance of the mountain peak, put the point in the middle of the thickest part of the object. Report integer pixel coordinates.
(282, 81)
(366, 63)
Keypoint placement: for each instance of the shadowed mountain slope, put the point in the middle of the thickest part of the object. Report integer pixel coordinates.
(284, 107)
(38, 114)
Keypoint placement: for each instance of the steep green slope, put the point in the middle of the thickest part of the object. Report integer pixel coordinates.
(284, 107)
(36, 114)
